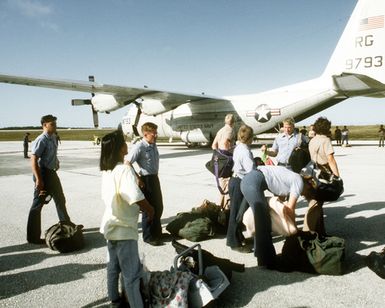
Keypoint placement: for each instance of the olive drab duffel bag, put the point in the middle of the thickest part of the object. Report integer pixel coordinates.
(64, 237)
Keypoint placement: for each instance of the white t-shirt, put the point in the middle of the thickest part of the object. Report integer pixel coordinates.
(120, 192)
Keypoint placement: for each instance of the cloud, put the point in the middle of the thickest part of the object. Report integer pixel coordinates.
(35, 10)
(31, 8)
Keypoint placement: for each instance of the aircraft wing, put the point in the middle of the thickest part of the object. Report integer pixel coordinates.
(159, 99)
(352, 84)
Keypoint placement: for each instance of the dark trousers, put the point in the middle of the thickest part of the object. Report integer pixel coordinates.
(152, 192)
(253, 186)
(53, 187)
(234, 229)
(25, 145)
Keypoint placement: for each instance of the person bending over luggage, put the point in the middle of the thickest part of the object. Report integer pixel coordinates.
(123, 200)
(322, 152)
(281, 182)
(44, 164)
(243, 164)
(145, 154)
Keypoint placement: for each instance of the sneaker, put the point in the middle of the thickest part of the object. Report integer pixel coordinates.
(376, 262)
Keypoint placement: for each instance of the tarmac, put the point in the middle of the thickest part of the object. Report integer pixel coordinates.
(35, 276)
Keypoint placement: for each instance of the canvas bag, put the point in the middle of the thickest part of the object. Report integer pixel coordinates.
(279, 223)
(325, 254)
(300, 156)
(221, 165)
(64, 237)
(308, 252)
(327, 186)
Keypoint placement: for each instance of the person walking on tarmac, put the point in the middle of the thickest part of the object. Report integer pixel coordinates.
(381, 133)
(44, 164)
(145, 154)
(26, 141)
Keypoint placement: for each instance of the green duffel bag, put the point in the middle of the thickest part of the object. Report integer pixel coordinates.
(197, 230)
(325, 254)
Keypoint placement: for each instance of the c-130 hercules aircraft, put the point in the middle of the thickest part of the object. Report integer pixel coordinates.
(356, 68)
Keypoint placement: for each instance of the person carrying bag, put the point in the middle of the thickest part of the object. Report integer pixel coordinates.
(323, 173)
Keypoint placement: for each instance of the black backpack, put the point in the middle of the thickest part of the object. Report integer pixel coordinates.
(300, 156)
(64, 237)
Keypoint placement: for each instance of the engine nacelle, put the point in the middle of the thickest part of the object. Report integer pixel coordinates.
(151, 106)
(194, 136)
(105, 103)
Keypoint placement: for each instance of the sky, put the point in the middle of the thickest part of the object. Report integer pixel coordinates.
(220, 47)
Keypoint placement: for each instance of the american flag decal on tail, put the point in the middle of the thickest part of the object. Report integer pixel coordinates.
(374, 22)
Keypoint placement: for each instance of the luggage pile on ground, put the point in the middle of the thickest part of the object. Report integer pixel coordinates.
(200, 223)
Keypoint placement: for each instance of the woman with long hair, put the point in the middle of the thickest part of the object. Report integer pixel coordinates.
(123, 200)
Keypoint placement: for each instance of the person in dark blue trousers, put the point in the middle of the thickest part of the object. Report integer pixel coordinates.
(47, 183)
(145, 154)
(243, 163)
(281, 182)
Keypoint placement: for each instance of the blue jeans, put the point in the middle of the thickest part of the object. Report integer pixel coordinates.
(124, 259)
(53, 187)
(253, 186)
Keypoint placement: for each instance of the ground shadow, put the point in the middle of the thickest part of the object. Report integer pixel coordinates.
(15, 284)
(10, 260)
(253, 281)
(100, 303)
(185, 153)
(359, 232)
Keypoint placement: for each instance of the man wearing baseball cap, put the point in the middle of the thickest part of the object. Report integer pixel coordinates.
(47, 183)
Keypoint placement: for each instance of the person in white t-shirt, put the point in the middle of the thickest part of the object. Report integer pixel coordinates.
(123, 200)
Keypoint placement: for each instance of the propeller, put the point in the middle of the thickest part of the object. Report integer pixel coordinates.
(95, 116)
(138, 113)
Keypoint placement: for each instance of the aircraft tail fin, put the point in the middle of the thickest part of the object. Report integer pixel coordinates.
(361, 48)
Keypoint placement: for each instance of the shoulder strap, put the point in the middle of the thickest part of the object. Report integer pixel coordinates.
(299, 140)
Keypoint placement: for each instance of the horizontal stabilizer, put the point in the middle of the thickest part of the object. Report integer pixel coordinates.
(358, 85)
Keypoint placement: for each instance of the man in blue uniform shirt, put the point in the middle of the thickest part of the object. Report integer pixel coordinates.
(145, 154)
(285, 143)
(44, 164)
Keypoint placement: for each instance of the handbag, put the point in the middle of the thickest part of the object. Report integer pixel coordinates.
(300, 156)
(221, 165)
(169, 288)
(327, 186)
(280, 224)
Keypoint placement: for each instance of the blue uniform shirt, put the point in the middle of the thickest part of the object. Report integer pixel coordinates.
(281, 181)
(45, 148)
(243, 160)
(146, 155)
(285, 144)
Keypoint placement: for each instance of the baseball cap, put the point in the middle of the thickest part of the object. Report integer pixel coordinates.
(47, 118)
